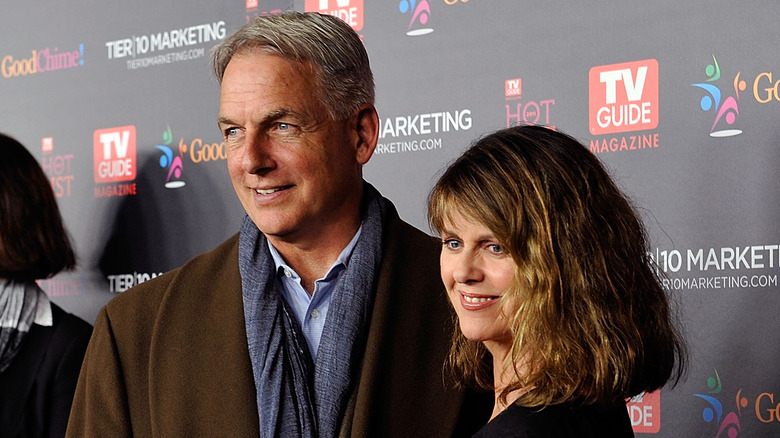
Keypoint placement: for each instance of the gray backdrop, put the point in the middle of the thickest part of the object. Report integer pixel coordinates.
(679, 99)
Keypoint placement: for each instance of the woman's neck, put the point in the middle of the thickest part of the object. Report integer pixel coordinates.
(503, 377)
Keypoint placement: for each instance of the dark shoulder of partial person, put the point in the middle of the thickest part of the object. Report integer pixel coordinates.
(560, 421)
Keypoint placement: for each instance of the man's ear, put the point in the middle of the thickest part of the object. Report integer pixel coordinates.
(366, 125)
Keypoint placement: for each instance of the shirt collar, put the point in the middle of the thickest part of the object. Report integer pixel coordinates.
(341, 262)
(43, 313)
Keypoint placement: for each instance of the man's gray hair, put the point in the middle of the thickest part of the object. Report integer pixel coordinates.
(324, 42)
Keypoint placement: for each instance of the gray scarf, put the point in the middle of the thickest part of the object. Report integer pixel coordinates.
(294, 396)
(18, 304)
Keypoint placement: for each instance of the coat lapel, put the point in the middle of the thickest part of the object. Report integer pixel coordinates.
(401, 389)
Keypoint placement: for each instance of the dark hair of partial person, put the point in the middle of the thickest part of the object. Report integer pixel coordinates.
(33, 241)
(591, 322)
(321, 42)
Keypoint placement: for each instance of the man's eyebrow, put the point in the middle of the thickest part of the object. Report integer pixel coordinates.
(278, 114)
(225, 121)
(270, 117)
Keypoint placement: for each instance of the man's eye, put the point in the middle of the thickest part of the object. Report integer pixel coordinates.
(287, 127)
(231, 132)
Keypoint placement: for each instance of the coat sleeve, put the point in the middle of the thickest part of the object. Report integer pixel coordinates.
(100, 405)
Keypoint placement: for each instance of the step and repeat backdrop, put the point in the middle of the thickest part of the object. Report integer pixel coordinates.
(680, 99)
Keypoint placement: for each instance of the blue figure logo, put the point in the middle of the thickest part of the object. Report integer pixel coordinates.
(421, 12)
(168, 161)
(725, 110)
(728, 423)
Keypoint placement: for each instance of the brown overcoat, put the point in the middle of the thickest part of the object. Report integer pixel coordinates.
(169, 358)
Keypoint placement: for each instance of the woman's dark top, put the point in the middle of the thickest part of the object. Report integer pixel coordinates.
(560, 421)
(36, 390)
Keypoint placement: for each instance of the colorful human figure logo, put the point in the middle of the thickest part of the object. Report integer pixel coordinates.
(728, 423)
(173, 163)
(726, 109)
(421, 12)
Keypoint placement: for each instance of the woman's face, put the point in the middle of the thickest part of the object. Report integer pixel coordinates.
(476, 270)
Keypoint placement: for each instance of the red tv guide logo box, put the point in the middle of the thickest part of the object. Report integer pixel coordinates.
(513, 88)
(623, 97)
(47, 145)
(115, 154)
(351, 11)
(645, 412)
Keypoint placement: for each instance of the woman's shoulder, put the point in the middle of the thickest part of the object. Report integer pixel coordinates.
(69, 331)
(68, 321)
(560, 421)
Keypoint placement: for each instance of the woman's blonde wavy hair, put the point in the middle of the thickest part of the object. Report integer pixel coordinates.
(591, 322)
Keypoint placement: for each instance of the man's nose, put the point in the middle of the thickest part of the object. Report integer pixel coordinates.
(258, 155)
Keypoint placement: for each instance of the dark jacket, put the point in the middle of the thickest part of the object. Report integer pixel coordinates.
(36, 390)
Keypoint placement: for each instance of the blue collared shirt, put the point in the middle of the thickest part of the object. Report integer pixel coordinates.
(311, 310)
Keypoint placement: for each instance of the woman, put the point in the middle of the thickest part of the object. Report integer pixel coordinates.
(41, 346)
(545, 263)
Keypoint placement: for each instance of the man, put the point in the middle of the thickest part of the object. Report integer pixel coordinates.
(324, 316)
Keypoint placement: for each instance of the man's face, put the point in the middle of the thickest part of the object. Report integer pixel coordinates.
(296, 171)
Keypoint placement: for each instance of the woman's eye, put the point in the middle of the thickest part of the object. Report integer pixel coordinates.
(452, 244)
(496, 248)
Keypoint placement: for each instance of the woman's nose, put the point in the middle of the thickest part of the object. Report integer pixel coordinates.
(467, 268)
